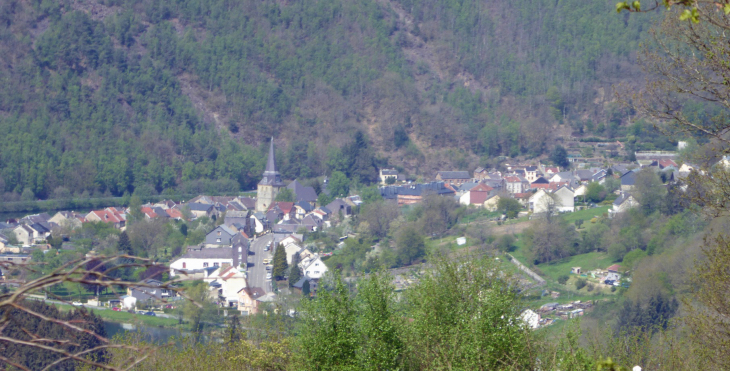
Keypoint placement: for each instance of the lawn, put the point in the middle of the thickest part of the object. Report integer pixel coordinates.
(586, 214)
(587, 262)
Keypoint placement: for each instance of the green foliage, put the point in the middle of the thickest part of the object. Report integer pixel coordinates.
(563, 279)
(411, 245)
(580, 283)
(649, 191)
(370, 194)
(338, 184)
(506, 243)
(559, 157)
(595, 192)
(509, 206)
(630, 259)
(199, 309)
(285, 195)
(280, 264)
(295, 274)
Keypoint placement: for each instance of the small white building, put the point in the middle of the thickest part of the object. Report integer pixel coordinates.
(564, 199)
(128, 302)
(203, 258)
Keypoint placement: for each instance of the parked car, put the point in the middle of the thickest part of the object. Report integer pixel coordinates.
(140, 312)
(150, 314)
(268, 267)
(77, 304)
(117, 309)
(268, 276)
(169, 306)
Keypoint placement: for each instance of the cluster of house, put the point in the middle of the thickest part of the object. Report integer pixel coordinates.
(610, 276)
(538, 188)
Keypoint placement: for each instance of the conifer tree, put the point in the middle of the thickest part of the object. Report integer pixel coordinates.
(280, 265)
(305, 289)
(295, 274)
(124, 246)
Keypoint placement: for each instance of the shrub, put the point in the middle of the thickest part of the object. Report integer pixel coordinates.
(591, 287)
(581, 283)
(613, 288)
(563, 279)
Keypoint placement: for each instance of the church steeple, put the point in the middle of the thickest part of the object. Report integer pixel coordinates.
(271, 176)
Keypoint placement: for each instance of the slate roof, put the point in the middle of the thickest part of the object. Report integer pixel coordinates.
(454, 174)
(249, 202)
(584, 175)
(392, 192)
(209, 253)
(541, 180)
(628, 179)
(306, 206)
(467, 186)
(301, 192)
(621, 199)
(389, 172)
(200, 207)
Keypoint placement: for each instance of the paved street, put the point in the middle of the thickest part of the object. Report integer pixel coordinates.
(256, 268)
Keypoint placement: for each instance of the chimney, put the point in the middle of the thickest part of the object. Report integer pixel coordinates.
(235, 252)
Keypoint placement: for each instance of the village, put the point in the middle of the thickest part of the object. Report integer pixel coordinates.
(236, 257)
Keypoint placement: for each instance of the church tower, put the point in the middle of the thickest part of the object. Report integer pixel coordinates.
(271, 183)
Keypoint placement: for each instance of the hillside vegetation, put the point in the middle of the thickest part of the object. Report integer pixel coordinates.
(111, 96)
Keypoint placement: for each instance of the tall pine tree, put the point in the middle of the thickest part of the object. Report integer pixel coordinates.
(280, 265)
(295, 274)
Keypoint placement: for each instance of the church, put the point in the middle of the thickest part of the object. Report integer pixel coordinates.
(270, 184)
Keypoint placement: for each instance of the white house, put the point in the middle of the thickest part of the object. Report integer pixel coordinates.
(202, 258)
(564, 199)
(229, 282)
(313, 268)
(291, 249)
(625, 202)
(581, 190)
(128, 302)
(541, 201)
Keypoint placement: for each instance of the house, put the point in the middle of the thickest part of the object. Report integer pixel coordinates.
(685, 170)
(584, 176)
(575, 270)
(219, 237)
(68, 219)
(302, 209)
(259, 222)
(540, 182)
(312, 223)
(302, 193)
(24, 234)
(564, 199)
(628, 180)
(516, 184)
(523, 198)
(313, 268)
(285, 210)
(481, 173)
(175, 214)
(202, 258)
(237, 217)
(531, 173)
(477, 195)
(492, 203)
(35, 218)
(453, 177)
(599, 176)
(388, 174)
(541, 201)
(564, 176)
(614, 268)
(339, 206)
(150, 293)
(227, 285)
(291, 249)
(248, 302)
(581, 190)
(112, 215)
(624, 202)
(201, 209)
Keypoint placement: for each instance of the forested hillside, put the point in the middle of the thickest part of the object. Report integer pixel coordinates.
(112, 96)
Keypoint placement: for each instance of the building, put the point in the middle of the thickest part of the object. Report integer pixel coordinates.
(628, 180)
(564, 199)
(202, 258)
(270, 184)
(623, 203)
(453, 177)
(112, 215)
(68, 219)
(388, 174)
(516, 184)
(302, 193)
(413, 193)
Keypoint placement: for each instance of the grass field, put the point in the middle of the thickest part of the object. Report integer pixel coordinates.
(586, 214)
(124, 317)
(587, 262)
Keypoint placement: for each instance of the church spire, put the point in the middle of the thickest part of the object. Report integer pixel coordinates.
(271, 176)
(271, 164)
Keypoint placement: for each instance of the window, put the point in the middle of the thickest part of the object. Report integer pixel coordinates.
(218, 239)
(316, 272)
(185, 265)
(316, 264)
(219, 233)
(307, 272)
(205, 265)
(215, 264)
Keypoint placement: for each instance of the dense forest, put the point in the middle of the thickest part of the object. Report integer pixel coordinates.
(109, 97)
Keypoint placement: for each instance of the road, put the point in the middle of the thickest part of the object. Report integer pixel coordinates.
(256, 268)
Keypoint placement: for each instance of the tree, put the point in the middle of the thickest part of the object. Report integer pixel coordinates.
(295, 274)
(184, 229)
(649, 191)
(370, 194)
(379, 215)
(285, 195)
(550, 239)
(338, 184)
(305, 289)
(199, 308)
(411, 244)
(559, 157)
(324, 199)
(595, 192)
(509, 206)
(280, 264)
(124, 246)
